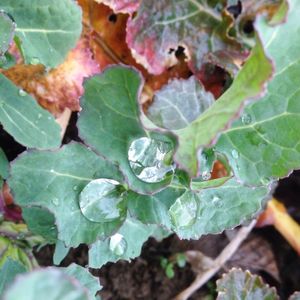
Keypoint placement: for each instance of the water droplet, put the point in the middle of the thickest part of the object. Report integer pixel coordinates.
(101, 201)
(246, 119)
(235, 154)
(22, 93)
(49, 118)
(117, 244)
(39, 116)
(150, 159)
(206, 175)
(34, 61)
(55, 201)
(52, 171)
(75, 188)
(183, 212)
(217, 201)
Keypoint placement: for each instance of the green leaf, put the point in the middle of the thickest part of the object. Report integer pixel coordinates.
(25, 120)
(203, 130)
(224, 207)
(217, 208)
(7, 30)
(42, 25)
(109, 120)
(268, 147)
(53, 282)
(53, 180)
(8, 272)
(86, 279)
(179, 103)
(40, 221)
(60, 252)
(4, 165)
(238, 284)
(132, 234)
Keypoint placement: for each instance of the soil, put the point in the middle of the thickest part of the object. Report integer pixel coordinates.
(265, 252)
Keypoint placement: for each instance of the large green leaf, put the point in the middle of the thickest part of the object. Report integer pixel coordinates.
(126, 244)
(47, 29)
(267, 146)
(54, 179)
(109, 120)
(7, 29)
(213, 209)
(25, 120)
(203, 130)
(72, 283)
(8, 272)
(238, 284)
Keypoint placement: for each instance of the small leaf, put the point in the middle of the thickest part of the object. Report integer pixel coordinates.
(25, 120)
(170, 271)
(86, 279)
(8, 272)
(238, 284)
(7, 30)
(121, 6)
(268, 146)
(4, 165)
(179, 103)
(203, 130)
(60, 252)
(53, 180)
(125, 244)
(109, 120)
(41, 25)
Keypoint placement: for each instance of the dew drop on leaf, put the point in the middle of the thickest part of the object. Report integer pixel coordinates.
(217, 201)
(206, 175)
(22, 93)
(55, 201)
(101, 201)
(246, 119)
(235, 154)
(117, 244)
(150, 159)
(183, 212)
(34, 61)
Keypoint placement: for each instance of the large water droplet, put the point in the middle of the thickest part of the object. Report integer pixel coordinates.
(117, 244)
(22, 93)
(149, 159)
(246, 119)
(101, 201)
(235, 154)
(183, 212)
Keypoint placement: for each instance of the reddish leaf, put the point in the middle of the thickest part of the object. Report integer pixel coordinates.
(121, 6)
(61, 87)
(163, 29)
